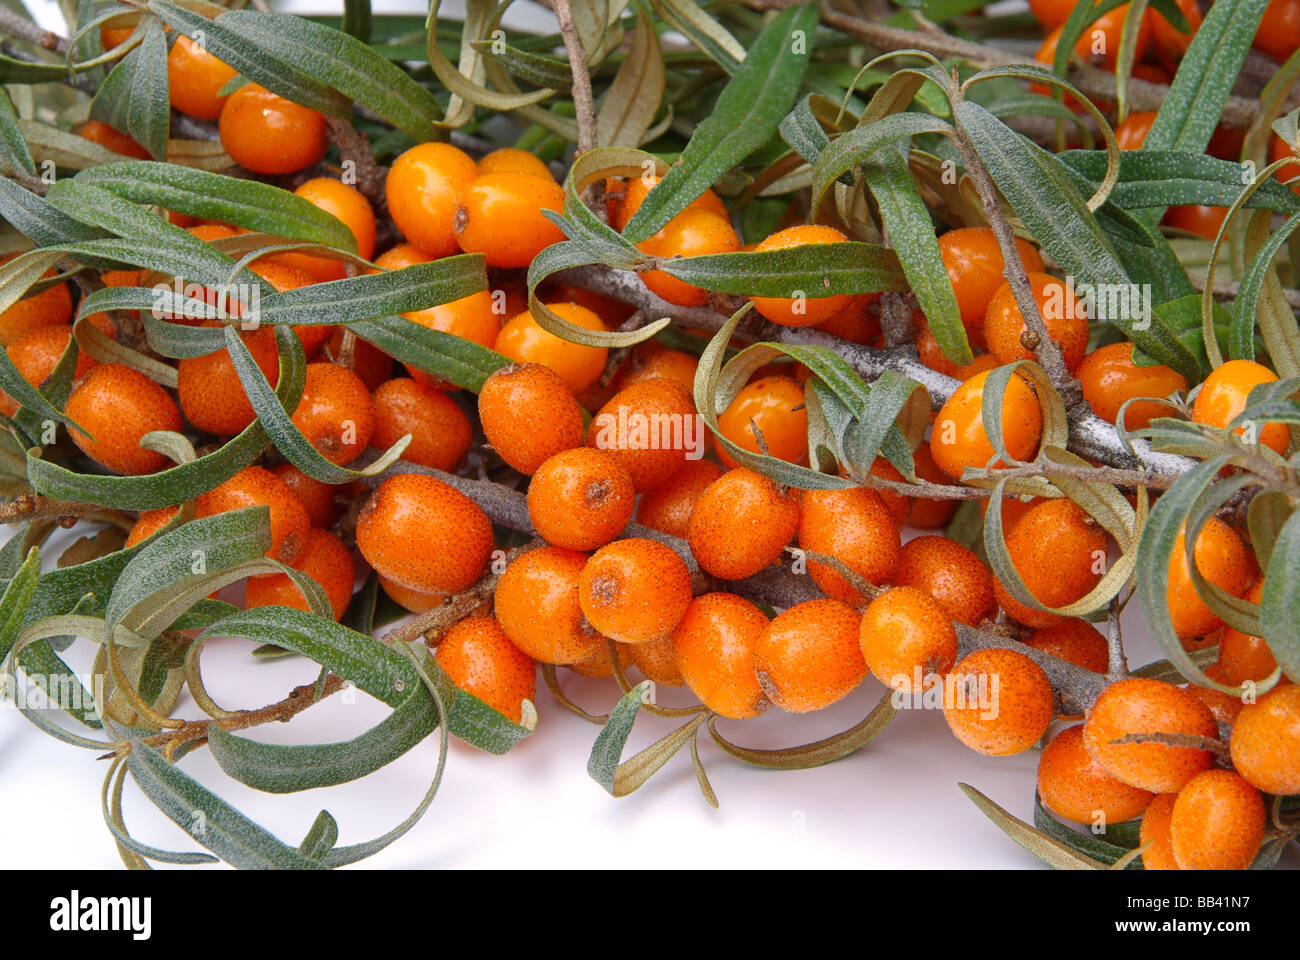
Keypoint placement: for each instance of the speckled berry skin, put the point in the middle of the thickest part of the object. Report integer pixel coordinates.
(256, 486)
(958, 439)
(668, 507)
(635, 590)
(1060, 554)
(1265, 742)
(809, 656)
(118, 406)
(741, 523)
(479, 658)
(581, 499)
(653, 455)
(905, 632)
(1002, 703)
(715, 647)
(1073, 786)
(951, 574)
(537, 605)
(326, 559)
(529, 414)
(856, 527)
(1217, 823)
(1154, 834)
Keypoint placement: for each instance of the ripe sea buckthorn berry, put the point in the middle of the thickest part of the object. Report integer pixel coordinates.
(1132, 133)
(325, 559)
(809, 656)
(1154, 834)
(929, 513)
(598, 665)
(148, 523)
(1244, 657)
(49, 308)
(1073, 786)
(1223, 396)
(900, 505)
(855, 527)
(36, 354)
(195, 78)
(475, 318)
(347, 204)
(927, 349)
(335, 412)
(1137, 706)
(1223, 559)
(636, 189)
(1279, 30)
(109, 138)
(1217, 823)
(257, 487)
(421, 189)
(1066, 325)
(110, 37)
(117, 406)
(714, 649)
(1075, 641)
(635, 590)
(266, 133)
(650, 361)
(741, 523)
(1279, 150)
(668, 507)
(1110, 378)
(950, 574)
(412, 600)
(581, 499)
(440, 432)
(513, 160)
(650, 427)
(212, 396)
(975, 265)
(1224, 706)
(958, 440)
(517, 199)
(1196, 218)
(537, 605)
(1013, 510)
(424, 535)
(692, 233)
(805, 308)
(858, 321)
(1060, 553)
(479, 658)
(317, 497)
(529, 415)
(524, 341)
(772, 407)
(1001, 702)
(1169, 43)
(906, 637)
(655, 659)
(1265, 741)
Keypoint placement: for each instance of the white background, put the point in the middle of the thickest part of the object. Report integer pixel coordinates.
(893, 804)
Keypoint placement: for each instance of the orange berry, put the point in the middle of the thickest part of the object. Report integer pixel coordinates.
(1110, 377)
(975, 267)
(266, 133)
(1217, 823)
(1244, 657)
(412, 600)
(581, 499)
(1159, 855)
(858, 322)
(111, 139)
(1196, 218)
(1278, 149)
(148, 523)
(1074, 641)
(598, 665)
(649, 361)
(369, 363)
(440, 432)
(49, 308)
(655, 659)
(772, 407)
(635, 590)
(350, 206)
(1171, 44)
(421, 189)
(474, 318)
(317, 497)
(211, 394)
(809, 656)
(927, 349)
(1132, 133)
(1279, 30)
(692, 233)
(899, 504)
(1138, 705)
(928, 513)
(950, 574)
(1223, 396)
(529, 415)
(1060, 554)
(117, 406)
(195, 78)
(1000, 702)
(335, 412)
(537, 605)
(258, 487)
(741, 523)
(479, 658)
(855, 527)
(1265, 742)
(1224, 707)
(424, 535)
(36, 354)
(714, 649)
(326, 560)
(514, 198)
(513, 160)
(650, 427)
(1004, 324)
(958, 439)
(906, 637)
(803, 310)
(668, 507)
(110, 37)
(1223, 559)
(636, 189)
(1073, 786)
(523, 340)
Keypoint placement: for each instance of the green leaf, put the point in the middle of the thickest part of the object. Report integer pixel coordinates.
(134, 97)
(442, 355)
(37, 218)
(814, 270)
(633, 97)
(207, 818)
(1046, 848)
(13, 147)
(475, 722)
(1087, 844)
(745, 117)
(608, 748)
(18, 593)
(860, 144)
(813, 754)
(1280, 596)
(356, 23)
(1260, 268)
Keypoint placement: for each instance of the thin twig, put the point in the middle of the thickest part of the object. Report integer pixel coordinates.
(584, 103)
(20, 28)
